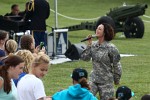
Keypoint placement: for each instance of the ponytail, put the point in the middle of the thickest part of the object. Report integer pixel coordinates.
(4, 75)
(84, 84)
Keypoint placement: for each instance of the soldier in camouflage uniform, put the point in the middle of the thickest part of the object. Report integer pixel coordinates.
(105, 59)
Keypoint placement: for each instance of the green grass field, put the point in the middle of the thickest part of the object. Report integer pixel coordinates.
(135, 69)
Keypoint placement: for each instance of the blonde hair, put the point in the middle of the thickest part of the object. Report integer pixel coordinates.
(11, 46)
(28, 58)
(41, 58)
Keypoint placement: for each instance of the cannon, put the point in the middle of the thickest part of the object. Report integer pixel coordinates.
(123, 19)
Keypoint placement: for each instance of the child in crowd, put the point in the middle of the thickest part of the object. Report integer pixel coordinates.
(28, 58)
(3, 37)
(79, 90)
(12, 67)
(30, 87)
(27, 42)
(10, 46)
(124, 93)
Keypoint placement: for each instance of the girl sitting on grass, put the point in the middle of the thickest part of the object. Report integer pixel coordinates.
(28, 58)
(11, 68)
(30, 87)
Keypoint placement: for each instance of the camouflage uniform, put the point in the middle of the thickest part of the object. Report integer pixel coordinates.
(106, 68)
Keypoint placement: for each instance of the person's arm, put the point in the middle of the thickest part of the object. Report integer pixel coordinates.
(1, 82)
(86, 54)
(46, 98)
(38, 50)
(115, 59)
(117, 73)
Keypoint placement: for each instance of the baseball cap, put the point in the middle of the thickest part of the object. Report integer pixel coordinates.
(79, 73)
(146, 97)
(124, 93)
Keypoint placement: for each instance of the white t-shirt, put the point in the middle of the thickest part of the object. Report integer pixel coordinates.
(30, 88)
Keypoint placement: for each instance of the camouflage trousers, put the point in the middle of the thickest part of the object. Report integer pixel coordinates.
(106, 91)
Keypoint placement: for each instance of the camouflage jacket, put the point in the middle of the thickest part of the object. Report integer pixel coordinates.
(105, 59)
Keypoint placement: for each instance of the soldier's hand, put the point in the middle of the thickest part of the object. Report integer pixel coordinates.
(90, 40)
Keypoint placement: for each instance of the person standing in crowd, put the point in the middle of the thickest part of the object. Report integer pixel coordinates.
(30, 87)
(38, 12)
(14, 10)
(80, 89)
(106, 62)
(12, 67)
(3, 37)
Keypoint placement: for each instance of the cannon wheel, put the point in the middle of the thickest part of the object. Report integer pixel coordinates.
(134, 28)
(105, 19)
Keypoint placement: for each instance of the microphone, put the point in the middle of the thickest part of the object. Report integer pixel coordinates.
(88, 38)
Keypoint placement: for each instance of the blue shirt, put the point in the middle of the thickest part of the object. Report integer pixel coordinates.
(75, 92)
(2, 54)
(20, 76)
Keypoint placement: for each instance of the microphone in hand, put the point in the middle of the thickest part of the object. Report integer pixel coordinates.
(88, 38)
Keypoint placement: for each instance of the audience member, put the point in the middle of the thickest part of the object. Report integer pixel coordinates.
(38, 12)
(3, 37)
(124, 93)
(14, 10)
(28, 58)
(30, 87)
(27, 42)
(105, 57)
(79, 90)
(12, 67)
(146, 97)
(10, 46)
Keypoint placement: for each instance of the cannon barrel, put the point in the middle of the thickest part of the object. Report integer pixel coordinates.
(82, 26)
(129, 11)
(123, 19)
